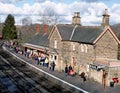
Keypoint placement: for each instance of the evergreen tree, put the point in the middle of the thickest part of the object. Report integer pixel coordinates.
(9, 30)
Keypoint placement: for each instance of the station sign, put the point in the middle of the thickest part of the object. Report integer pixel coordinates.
(96, 67)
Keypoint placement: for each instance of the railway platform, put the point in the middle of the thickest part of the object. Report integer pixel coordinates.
(75, 83)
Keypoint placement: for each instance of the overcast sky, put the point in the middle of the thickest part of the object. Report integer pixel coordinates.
(91, 11)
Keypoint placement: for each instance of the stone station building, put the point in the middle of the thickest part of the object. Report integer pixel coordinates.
(89, 49)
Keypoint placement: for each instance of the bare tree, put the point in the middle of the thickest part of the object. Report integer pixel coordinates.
(26, 21)
(48, 16)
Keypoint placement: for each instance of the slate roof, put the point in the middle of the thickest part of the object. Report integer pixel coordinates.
(39, 40)
(81, 34)
(85, 34)
(65, 31)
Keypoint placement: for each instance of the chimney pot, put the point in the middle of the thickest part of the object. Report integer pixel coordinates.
(76, 19)
(105, 19)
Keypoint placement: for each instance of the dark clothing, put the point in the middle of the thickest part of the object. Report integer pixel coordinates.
(53, 66)
(83, 76)
(70, 68)
(84, 79)
(66, 69)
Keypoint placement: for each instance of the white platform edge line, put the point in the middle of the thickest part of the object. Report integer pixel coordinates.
(48, 73)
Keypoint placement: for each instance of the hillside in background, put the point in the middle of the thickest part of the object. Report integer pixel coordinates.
(1, 26)
(26, 32)
(116, 29)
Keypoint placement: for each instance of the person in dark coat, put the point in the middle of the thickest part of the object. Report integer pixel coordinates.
(83, 76)
(53, 66)
(70, 69)
(66, 70)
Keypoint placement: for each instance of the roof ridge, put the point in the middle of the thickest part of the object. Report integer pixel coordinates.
(92, 26)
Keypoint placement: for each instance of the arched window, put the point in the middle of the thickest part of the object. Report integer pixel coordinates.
(55, 43)
(73, 46)
(84, 48)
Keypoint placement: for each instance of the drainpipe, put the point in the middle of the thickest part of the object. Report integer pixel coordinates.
(94, 47)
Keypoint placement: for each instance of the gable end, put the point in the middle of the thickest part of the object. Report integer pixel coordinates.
(104, 31)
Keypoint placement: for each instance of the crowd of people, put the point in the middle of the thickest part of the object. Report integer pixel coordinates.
(44, 61)
(69, 71)
(39, 59)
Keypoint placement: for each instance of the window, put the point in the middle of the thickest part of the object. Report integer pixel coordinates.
(55, 57)
(73, 47)
(55, 43)
(51, 56)
(84, 48)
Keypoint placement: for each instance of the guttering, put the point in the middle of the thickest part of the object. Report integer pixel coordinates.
(36, 46)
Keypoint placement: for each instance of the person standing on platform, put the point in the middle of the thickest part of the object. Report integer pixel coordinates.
(46, 62)
(66, 70)
(70, 67)
(52, 66)
(83, 76)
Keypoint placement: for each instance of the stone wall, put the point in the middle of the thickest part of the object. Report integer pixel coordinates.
(96, 75)
(83, 54)
(56, 36)
(113, 72)
(107, 47)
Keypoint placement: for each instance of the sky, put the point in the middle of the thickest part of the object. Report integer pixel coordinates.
(91, 11)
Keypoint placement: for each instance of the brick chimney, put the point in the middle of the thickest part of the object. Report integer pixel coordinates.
(76, 19)
(105, 19)
(45, 29)
(37, 29)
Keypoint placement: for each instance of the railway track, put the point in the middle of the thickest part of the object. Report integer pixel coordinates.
(16, 77)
